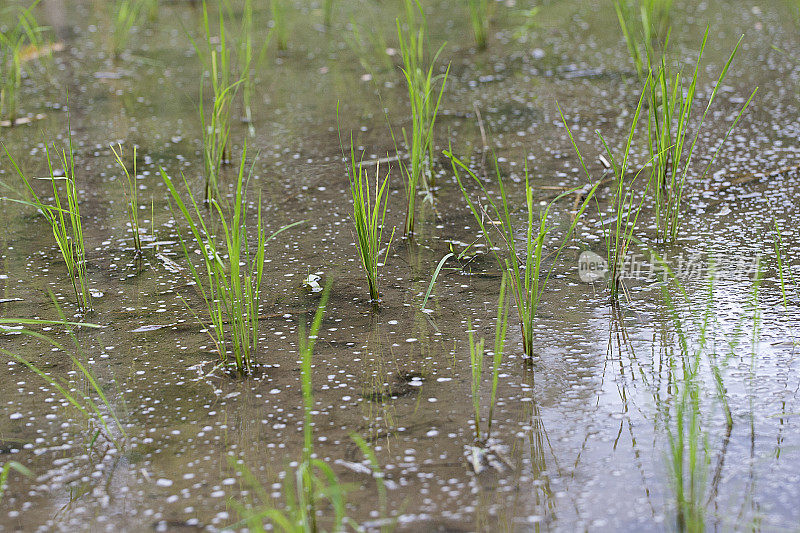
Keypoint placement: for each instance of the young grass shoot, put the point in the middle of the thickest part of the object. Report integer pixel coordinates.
(369, 218)
(229, 280)
(424, 101)
(64, 217)
(131, 190)
(495, 217)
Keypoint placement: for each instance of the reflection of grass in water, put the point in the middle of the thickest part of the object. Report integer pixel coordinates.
(687, 409)
(89, 408)
(313, 487)
(476, 354)
(65, 221)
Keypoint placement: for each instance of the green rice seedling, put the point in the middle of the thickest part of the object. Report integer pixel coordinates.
(76, 397)
(328, 12)
(64, 220)
(126, 14)
(14, 41)
(370, 46)
(216, 134)
(645, 25)
(623, 205)
(151, 7)
(246, 56)
(669, 113)
(421, 82)
(131, 191)
(217, 60)
(230, 287)
(476, 355)
(5, 470)
(479, 19)
(369, 218)
(280, 9)
(526, 282)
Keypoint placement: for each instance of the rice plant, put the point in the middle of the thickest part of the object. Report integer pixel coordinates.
(5, 470)
(669, 113)
(279, 9)
(126, 14)
(313, 487)
(229, 280)
(244, 55)
(479, 19)
(131, 191)
(623, 205)
(526, 282)
(26, 34)
(64, 218)
(424, 100)
(217, 59)
(328, 12)
(369, 217)
(645, 25)
(476, 355)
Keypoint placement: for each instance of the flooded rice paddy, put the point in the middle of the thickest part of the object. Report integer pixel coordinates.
(584, 434)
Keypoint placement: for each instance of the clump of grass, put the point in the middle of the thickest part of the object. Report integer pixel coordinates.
(479, 19)
(230, 289)
(645, 25)
(131, 191)
(421, 82)
(126, 14)
(526, 282)
(669, 112)
(14, 40)
(313, 487)
(369, 217)
(5, 470)
(217, 60)
(280, 9)
(246, 56)
(476, 354)
(216, 128)
(64, 220)
(328, 12)
(623, 203)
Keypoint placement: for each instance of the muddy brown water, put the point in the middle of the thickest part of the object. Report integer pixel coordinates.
(583, 429)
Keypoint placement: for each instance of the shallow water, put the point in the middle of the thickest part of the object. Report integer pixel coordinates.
(582, 429)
